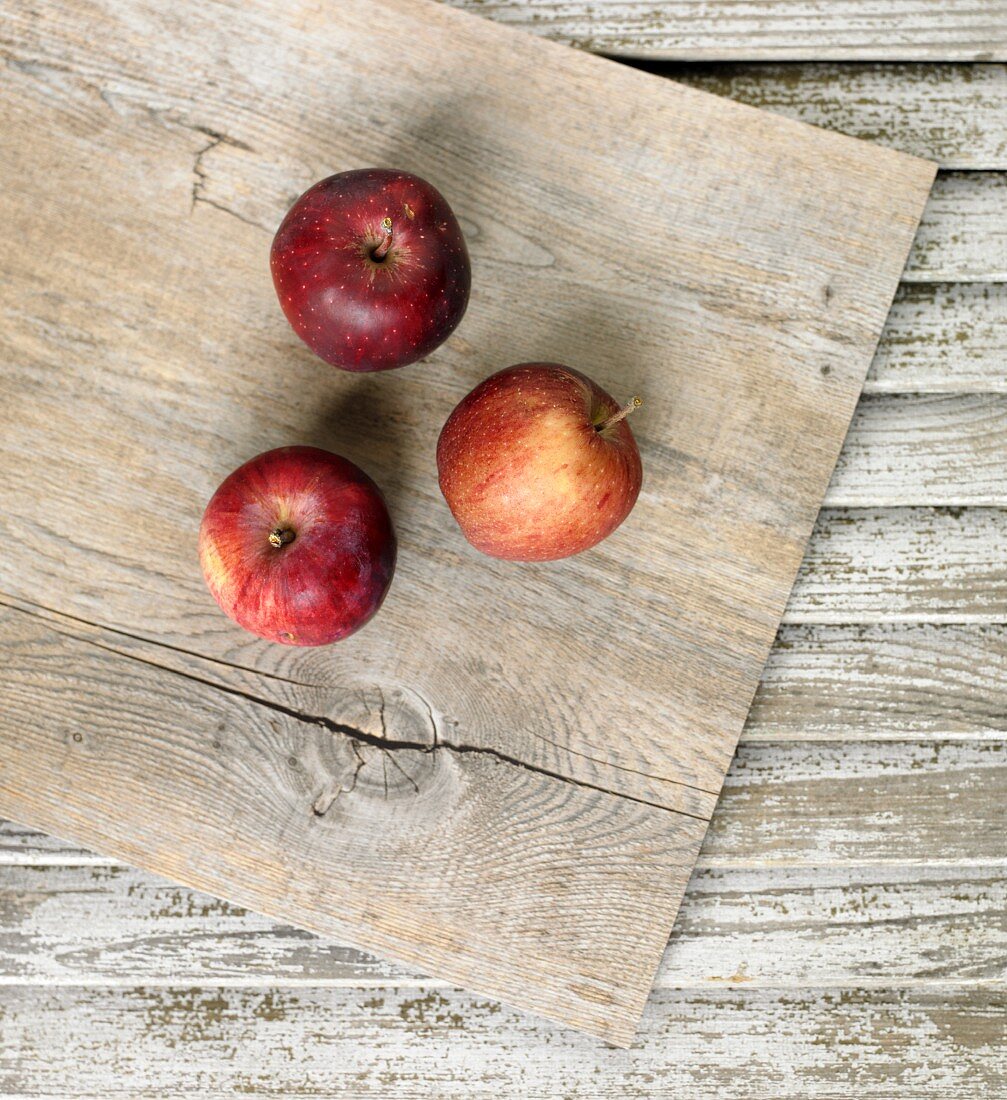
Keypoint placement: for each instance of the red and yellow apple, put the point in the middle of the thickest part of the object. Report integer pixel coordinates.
(371, 269)
(297, 546)
(538, 463)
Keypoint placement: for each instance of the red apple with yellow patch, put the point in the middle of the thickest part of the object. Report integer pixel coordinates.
(297, 546)
(538, 462)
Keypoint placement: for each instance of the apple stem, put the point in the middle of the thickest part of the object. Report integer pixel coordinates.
(280, 536)
(633, 403)
(381, 251)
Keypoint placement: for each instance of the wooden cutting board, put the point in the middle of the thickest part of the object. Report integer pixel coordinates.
(506, 777)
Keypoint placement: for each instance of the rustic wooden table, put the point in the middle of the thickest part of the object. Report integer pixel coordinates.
(845, 929)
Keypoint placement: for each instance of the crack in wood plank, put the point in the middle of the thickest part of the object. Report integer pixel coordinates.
(27, 606)
(353, 733)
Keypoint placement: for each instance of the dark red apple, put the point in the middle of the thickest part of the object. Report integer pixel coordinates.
(297, 546)
(371, 269)
(538, 462)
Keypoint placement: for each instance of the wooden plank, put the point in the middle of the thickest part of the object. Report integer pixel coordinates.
(24, 845)
(825, 803)
(690, 30)
(937, 450)
(149, 269)
(904, 565)
(943, 338)
(829, 802)
(775, 927)
(889, 681)
(938, 338)
(621, 863)
(963, 235)
(222, 402)
(392, 1044)
(953, 114)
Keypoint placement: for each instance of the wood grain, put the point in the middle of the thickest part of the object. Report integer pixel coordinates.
(142, 280)
(408, 1044)
(963, 236)
(891, 681)
(939, 450)
(319, 811)
(953, 114)
(843, 30)
(943, 338)
(775, 927)
(938, 565)
(904, 803)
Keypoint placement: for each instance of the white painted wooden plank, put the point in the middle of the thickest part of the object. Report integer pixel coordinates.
(883, 682)
(931, 450)
(953, 114)
(692, 30)
(963, 234)
(822, 803)
(775, 927)
(943, 338)
(904, 565)
(749, 1044)
(827, 802)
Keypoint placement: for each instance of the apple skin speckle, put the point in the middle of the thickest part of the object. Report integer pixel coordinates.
(525, 469)
(356, 312)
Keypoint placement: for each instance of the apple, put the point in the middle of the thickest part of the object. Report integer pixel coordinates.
(297, 546)
(538, 463)
(371, 269)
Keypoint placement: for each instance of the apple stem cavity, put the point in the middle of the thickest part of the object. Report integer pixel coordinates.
(281, 536)
(381, 251)
(633, 403)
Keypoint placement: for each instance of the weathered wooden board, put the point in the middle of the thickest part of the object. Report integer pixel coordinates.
(784, 30)
(448, 787)
(409, 1044)
(902, 803)
(943, 338)
(963, 236)
(891, 681)
(774, 927)
(935, 449)
(938, 565)
(953, 114)
(369, 845)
